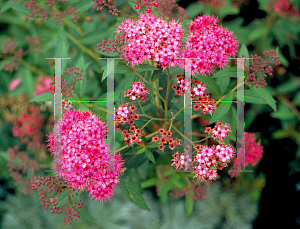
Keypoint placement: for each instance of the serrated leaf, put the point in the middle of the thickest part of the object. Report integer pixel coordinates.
(150, 156)
(244, 51)
(43, 97)
(163, 83)
(135, 180)
(222, 108)
(252, 97)
(264, 94)
(189, 203)
(62, 198)
(134, 161)
(210, 84)
(133, 195)
(84, 214)
(227, 72)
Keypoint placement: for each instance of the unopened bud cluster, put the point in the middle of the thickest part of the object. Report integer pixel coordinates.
(149, 3)
(44, 13)
(261, 65)
(111, 5)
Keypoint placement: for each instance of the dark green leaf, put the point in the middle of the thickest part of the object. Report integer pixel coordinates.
(252, 97)
(62, 198)
(43, 97)
(132, 194)
(155, 75)
(135, 180)
(84, 214)
(189, 203)
(223, 82)
(163, 193)
(83, 6)
(227, 72)
(144, 68)
(281, 59)
(222, 108)
(18, 7)
(150, 156)
(134, 150)
(194, 9)
(134, 161)
(244, 51)
(80, 86)
(141, 150)
(265, 95)
(153, 144)
(175, 180)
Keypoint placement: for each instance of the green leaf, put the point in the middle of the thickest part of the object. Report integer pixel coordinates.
(18, 7)
(279, 134)
(155, 75)
(252, 97)
(296, 99)
(134, 161)
(153, 144)
(149, 183)
(244, 51)
(223, 82)
(84, 214)
(189, 204)
(135, 180)
(132, 194)
(141, 150)
(163, 193)
(163, 82)
(95, 37)
(227, 72)
(62, 198)
(134, 150)
(175, 181)
(6, 6)
(293, 84)
(194, 9)
(283, 113)
(150, 156)
(258, 32)
(282, 59)
(144, 68)
(104, 76)
(27, 81)
(222, 108)
(43, 97)
(264, 94)
(83, 6)
(210, 84)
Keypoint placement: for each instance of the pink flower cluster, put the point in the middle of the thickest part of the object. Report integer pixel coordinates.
(151, 38)
(42, 85)
(204, 102)
(209, 44)
(122, 115)
(284, 8)
(208, 158)
(252, 154)
(28, 127)
(146, 3)
(44, 12)
(138, 90)
(220, 131)
(84, 156)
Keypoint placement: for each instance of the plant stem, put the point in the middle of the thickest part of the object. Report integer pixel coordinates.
(178, 131)
(167, 97)
(32, 68)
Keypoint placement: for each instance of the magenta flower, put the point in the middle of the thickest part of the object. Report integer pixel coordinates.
(14, 83)
(138, 90)
(151, 38)
(43, 85)
(209, 44)
(84, 154)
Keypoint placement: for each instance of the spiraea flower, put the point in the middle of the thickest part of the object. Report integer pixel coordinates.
(84, 154)
(151, 38)
(250, 153)
(209, 44)
(43, 85)
(138, 90)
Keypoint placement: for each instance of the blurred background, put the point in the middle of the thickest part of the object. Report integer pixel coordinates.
(268, 197)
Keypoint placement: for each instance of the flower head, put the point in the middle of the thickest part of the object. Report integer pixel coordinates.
(84, 154)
